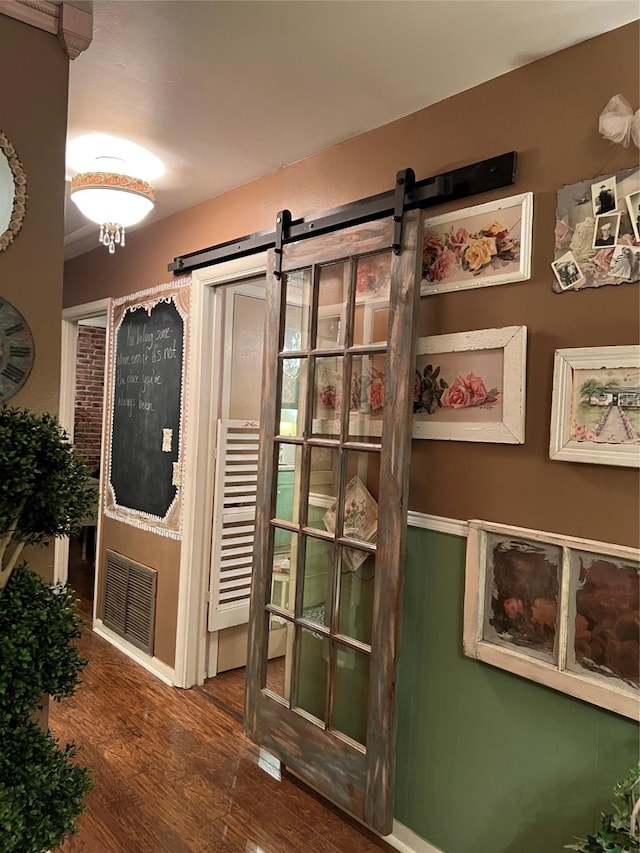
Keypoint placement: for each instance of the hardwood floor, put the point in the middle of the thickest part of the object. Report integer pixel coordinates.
(175, 774)
(82, 572)
(227, 689)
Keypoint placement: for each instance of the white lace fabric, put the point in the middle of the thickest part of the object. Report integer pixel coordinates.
(619, 123)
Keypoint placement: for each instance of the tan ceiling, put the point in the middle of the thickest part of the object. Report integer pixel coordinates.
(223, 92)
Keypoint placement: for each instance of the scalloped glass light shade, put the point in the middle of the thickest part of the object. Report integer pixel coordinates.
(107, 197)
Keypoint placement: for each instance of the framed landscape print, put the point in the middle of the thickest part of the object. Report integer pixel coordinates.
(555, 609)
(470, 386)
(595, 411)
(479, 246)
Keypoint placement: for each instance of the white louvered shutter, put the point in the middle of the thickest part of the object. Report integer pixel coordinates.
(234, 512)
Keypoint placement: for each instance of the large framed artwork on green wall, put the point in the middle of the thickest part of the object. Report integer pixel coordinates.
(555, 609)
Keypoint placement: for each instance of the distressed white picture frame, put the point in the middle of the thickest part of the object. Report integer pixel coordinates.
(562, 446)
(611, 694)
(512, 340)
(522, 272)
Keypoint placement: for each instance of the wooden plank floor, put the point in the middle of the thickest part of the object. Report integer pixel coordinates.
(81, 574)
(227, 688)
(175, 774)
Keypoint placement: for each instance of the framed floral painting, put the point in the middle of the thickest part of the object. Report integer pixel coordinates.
(595, 410)
(479, 246)
(557, 610)
(470, 386)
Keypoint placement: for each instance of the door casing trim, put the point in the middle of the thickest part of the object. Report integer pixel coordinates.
(66, 408)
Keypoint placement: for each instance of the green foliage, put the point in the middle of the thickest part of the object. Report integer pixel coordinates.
(614, 833)
(38, 624)
(590, 388)
(428, 390)
(41, 790)
(42, 484)
(42, 494)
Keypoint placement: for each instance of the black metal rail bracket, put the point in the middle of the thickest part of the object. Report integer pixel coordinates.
(405, 181)
(493, 173)
(283, 221)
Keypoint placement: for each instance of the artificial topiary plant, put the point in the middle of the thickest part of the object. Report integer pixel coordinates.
(42, 494)
(42, 485)
(618, 830)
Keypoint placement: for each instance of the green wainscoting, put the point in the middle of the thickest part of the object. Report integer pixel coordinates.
(488, 762)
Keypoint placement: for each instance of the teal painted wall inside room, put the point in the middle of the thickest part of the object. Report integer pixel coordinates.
(488, 762)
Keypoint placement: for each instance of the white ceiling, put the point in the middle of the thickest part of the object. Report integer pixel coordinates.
(223, 92)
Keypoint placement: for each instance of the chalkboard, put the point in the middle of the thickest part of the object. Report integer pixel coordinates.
(147, 390)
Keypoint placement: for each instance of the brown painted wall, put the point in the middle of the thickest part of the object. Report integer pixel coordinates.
(33, 113)
(548, 112)
(157, 552)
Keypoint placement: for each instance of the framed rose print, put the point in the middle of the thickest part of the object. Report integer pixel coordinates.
(479, 246)
(470, 386)
(595, 410)
(555, 609)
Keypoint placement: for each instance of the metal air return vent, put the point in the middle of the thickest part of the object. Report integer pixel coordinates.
(129, 601)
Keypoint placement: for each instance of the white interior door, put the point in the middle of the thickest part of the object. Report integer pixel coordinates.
(238, 361)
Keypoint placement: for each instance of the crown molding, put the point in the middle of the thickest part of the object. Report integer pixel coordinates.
(73, 27)
(75, 30)
(36, 13)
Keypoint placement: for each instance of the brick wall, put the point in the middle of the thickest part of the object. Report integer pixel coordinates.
(89, 393)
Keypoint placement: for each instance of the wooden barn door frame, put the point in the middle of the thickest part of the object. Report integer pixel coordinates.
(356, 776)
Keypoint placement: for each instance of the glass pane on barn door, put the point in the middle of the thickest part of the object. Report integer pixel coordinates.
(293, 393)
(324, 478)
(371, 309)
(318, 580)
(367, 397)
(351, 699)
(328, 385)
(311, 685)
(297, 311)
(355, 610)
(284, 569)
(361, 489)
(333, 294)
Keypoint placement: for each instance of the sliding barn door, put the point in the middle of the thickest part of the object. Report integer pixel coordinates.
(331, 510)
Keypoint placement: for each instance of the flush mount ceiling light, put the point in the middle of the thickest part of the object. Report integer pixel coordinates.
(105, 189)
(112, 200)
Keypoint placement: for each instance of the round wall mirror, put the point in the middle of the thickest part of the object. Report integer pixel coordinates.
(13, 192)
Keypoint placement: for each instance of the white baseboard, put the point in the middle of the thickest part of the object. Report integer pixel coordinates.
(438, 523)
(156, 667)
(403, 839)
